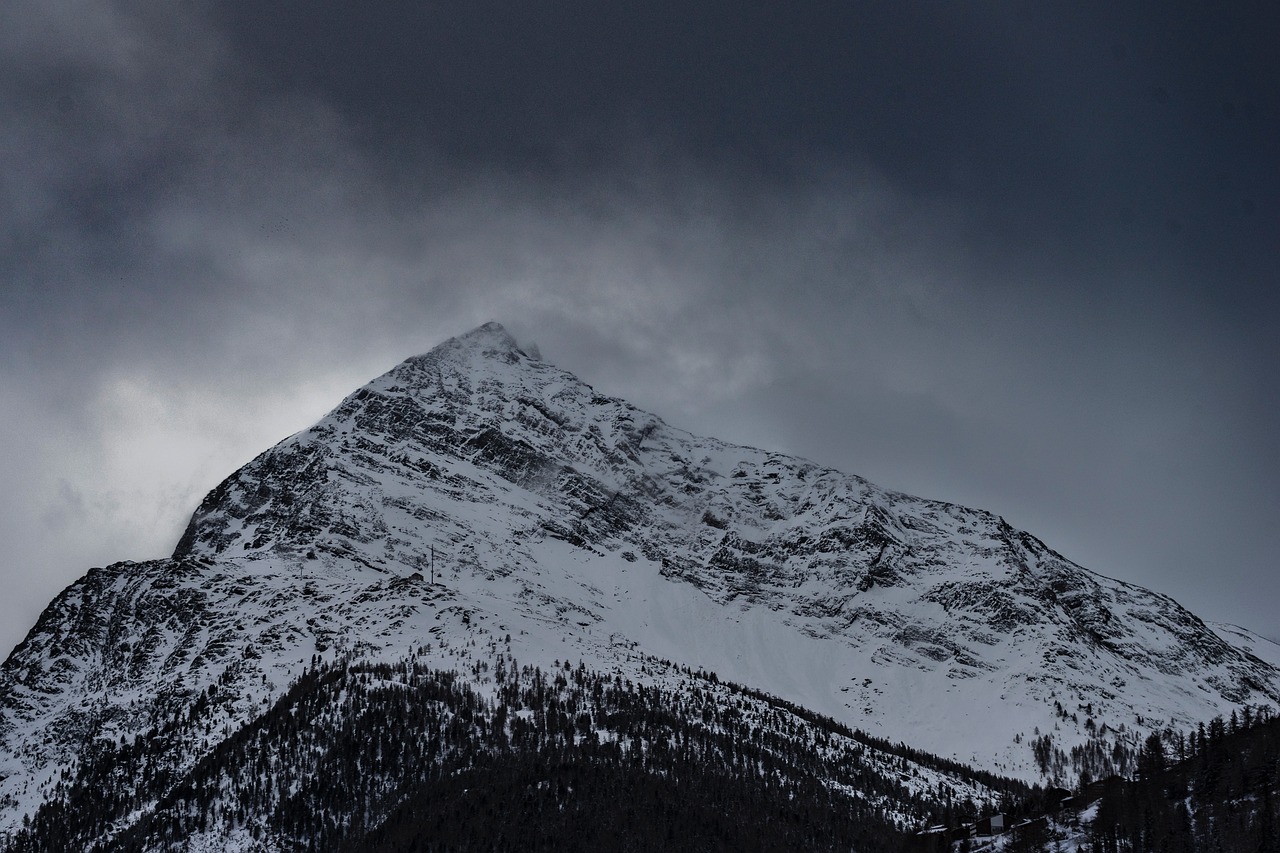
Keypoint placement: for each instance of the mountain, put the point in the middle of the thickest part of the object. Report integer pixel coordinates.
(477, 508)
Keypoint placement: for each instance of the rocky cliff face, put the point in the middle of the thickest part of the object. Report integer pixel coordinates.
(576, 523)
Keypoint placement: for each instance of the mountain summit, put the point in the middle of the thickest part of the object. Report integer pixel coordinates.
(477, 493)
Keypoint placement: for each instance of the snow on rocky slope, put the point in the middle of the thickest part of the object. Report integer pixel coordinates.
(1242, 638)
(585, 528)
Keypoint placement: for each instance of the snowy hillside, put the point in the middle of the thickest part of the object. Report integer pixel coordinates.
(586, 529)
(1242, 638)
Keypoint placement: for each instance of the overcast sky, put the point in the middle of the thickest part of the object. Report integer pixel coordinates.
(1021, 256)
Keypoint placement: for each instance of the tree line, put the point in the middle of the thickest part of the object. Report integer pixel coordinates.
(359, 755)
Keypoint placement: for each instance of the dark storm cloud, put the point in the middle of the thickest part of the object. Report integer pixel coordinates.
(1083, 141)
(1057, 117)
(1016, 256)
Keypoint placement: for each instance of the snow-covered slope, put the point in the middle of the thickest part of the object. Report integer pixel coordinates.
(586, 528)
(1242, 638)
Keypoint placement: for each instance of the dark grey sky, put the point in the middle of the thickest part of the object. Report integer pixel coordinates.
(1019, 256)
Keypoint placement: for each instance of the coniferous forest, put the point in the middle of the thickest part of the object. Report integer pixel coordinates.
(1216, 789)
(397, 757)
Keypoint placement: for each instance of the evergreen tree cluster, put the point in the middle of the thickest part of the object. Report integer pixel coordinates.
(1217, 789)
(399, 757)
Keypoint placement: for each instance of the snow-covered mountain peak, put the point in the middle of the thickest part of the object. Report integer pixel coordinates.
(506, 471)
(476, 492)
(490, 339)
